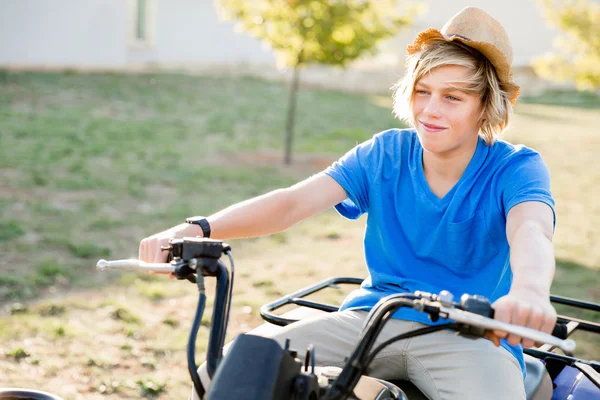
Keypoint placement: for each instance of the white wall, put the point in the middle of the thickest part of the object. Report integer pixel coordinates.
(78, 33)
(95, 33)
(189, 31)
(188, 34)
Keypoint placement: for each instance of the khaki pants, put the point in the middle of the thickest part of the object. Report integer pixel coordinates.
(442, 364)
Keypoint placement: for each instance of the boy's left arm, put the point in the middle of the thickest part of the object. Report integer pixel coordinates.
(529, 229)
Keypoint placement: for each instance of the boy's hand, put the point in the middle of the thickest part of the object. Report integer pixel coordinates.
(524, 307)
(150, 249)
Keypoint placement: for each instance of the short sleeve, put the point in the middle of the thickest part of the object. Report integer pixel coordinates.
(526, 179)
(354, 172)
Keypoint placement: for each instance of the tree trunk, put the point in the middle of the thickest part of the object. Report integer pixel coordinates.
(289, 133)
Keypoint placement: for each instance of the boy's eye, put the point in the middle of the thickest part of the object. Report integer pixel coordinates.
(453, 98)
(421, 92)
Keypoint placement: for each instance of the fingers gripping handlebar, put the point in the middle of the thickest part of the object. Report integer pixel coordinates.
(187, 256)
(474, 315)
(470, 317)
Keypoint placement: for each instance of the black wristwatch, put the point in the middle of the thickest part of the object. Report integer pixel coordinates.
(202, 222)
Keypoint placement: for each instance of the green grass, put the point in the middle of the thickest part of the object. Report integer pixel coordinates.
(10, 230)
(91, 156)
(90, 164)
(565, 98)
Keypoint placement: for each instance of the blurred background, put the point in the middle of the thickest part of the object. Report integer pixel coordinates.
(120, 118)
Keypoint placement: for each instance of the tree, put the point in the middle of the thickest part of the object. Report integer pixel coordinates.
(302, 32)
(578, 49)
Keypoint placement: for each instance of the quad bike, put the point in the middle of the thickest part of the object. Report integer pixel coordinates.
(281, 373)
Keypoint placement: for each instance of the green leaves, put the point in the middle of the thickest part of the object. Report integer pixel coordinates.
(332, 32)
(578, 49)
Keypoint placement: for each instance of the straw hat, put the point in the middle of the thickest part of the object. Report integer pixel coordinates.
(479, 30)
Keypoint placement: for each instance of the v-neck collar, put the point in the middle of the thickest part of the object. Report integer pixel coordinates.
(474, 164)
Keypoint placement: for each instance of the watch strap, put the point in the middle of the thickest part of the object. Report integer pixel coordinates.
(202, 222)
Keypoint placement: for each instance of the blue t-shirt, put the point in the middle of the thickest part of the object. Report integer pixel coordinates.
(417, 241)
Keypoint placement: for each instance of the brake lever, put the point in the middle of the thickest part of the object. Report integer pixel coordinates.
(169, 249)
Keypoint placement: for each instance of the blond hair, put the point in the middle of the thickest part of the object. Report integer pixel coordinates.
(482, 81)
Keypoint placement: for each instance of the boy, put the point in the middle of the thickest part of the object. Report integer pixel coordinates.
(449, 207)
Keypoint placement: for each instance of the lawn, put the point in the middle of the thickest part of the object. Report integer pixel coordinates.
(90, 164)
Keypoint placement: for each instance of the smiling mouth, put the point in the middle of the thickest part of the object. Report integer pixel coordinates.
(431, 127)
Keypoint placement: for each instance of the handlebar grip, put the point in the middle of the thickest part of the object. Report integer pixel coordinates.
(134, 265)
(560, 331)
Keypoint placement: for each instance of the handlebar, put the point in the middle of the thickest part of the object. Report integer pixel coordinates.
(555, 339)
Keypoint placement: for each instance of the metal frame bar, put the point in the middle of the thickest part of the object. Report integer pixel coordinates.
(568, 360)
(297, 298)
(582, 324)
(586, 305)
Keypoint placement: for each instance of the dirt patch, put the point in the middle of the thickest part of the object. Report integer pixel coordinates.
(17, 192)
(10, 175)
(122, 111)
(299, 161)
(62, 198)
(303, 165)
(87, 353)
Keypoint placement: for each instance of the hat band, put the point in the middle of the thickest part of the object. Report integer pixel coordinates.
(449, 36)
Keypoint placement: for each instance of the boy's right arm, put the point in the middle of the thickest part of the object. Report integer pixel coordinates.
(263, 215)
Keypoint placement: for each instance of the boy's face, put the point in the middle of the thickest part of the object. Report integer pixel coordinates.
(446, 119)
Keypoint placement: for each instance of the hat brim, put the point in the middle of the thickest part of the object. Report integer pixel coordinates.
(491, 52)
